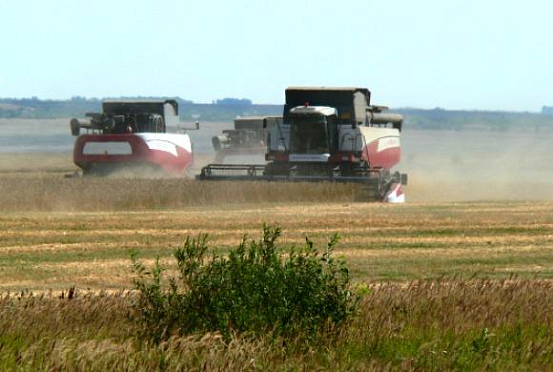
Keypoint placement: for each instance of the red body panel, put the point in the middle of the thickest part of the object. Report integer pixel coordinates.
(277, 156)
(380, 155)
(141, 154)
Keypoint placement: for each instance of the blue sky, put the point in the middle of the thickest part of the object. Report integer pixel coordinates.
(486, 55)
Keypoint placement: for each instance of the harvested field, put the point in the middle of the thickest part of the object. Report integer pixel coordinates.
(42, 250)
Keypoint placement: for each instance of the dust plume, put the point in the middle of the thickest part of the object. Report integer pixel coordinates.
(478, 165)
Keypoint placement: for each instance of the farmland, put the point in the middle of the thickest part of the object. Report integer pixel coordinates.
(451, 284)
(459, 277)
(381, 242)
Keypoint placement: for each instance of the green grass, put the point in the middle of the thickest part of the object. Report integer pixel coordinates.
(429, 325)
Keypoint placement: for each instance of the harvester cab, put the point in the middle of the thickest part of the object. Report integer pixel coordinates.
(313, 133)
(330, 134)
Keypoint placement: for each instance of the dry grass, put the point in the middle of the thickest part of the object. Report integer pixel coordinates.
(55, 193)
(33, 164)
(439, 325)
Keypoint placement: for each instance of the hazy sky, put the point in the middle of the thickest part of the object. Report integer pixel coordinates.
(488, 55)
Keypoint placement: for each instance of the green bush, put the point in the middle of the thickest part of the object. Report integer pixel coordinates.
(256, 289)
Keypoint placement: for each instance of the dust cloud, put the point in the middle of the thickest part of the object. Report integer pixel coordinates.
(477, 165)
(442, 165)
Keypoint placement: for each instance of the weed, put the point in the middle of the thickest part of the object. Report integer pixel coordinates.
(254, 289)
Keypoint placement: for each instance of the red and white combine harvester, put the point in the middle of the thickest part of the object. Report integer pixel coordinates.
(130, 135)
(328, 134)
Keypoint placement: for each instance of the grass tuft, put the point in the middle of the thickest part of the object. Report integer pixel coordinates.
(255, 289)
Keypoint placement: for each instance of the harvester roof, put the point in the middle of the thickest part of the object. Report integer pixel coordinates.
(351, 102)
(138, 106)
(248, 122)
(323, 88)
(313, 110)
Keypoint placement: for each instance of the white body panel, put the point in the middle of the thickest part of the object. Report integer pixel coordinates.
(395, 195)
(353, 140)
(309, 157)
(167, 141)
(107, 148)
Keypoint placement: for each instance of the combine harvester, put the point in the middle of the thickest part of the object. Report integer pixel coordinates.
(130, 136)
(248, 138)
(328, 134)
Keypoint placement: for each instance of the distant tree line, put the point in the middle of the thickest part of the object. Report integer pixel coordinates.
(233, 102)
(461, 120)
(227, 109)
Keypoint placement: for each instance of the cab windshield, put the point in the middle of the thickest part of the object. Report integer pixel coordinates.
(308, 135)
